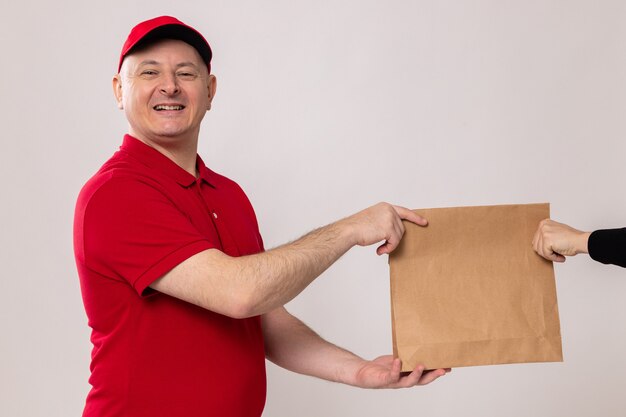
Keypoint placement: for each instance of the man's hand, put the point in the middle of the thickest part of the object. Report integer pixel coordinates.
(384, 372)
(554, 241)
(382, 222)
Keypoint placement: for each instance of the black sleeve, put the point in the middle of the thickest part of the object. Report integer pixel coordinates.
(608, 246)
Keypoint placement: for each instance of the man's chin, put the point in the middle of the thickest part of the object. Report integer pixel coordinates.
(176, 133)
(166, 134)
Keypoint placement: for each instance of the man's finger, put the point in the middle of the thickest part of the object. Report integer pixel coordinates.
(410, 215)
(413, 378)
(430, 376)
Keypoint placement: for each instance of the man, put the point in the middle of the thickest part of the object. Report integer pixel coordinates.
(184, 303)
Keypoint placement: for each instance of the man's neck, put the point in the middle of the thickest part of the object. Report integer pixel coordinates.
(182, 152)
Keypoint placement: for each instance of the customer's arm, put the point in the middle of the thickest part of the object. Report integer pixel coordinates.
(608, 246)
(554, 241)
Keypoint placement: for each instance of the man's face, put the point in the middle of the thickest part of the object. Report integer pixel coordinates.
(165, 90)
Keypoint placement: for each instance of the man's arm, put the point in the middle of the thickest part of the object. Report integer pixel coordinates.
(292, 345)
(256, 284)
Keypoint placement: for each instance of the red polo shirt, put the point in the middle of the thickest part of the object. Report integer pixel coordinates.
(154, 355)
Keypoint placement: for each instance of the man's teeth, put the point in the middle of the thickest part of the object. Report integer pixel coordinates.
(161, 107)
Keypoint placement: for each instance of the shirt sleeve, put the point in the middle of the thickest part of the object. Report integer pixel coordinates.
(133, 232)
(608, 246)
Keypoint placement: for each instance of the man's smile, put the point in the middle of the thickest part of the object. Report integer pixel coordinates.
(161, 107)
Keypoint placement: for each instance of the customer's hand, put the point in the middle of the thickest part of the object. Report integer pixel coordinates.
(554, 241)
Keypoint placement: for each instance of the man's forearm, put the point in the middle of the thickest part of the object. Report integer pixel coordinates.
(271, 279)
(256, 284)
(292, 345)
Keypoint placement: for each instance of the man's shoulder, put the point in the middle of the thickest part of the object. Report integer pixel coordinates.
(118, 175)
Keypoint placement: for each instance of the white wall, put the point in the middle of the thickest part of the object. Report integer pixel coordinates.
(323, 108)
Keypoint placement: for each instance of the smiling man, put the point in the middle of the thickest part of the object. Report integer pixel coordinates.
(184, 303)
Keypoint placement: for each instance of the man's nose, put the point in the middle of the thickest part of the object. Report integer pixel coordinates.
(169, 84)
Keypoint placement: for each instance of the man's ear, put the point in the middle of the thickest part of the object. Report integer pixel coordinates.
(212, 88)
(117, 91)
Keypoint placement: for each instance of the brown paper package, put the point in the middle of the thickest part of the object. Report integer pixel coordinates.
(469, 290)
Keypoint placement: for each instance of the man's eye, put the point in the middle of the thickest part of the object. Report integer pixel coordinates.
(186, 75)
(148, 72)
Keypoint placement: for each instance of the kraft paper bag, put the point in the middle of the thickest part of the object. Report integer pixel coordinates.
(469, 290)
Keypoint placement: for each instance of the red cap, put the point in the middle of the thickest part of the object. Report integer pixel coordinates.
(166, 27)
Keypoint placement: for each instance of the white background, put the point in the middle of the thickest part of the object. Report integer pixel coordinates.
(324, 108)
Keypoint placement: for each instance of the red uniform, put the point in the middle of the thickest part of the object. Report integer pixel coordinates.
(154, 355)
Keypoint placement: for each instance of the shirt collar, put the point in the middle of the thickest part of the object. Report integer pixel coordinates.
(156, 160)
